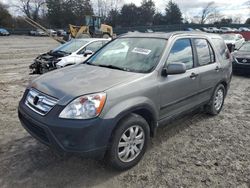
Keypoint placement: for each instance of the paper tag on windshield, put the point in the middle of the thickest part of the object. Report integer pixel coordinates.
(141, 51)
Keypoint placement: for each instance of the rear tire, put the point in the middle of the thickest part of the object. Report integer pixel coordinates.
(105, 36)
(129, 142)
(216, 102)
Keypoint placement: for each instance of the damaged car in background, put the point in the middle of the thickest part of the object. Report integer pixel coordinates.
(72, 52)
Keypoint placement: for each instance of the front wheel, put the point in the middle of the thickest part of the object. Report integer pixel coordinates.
(216, 103)
(129, 143)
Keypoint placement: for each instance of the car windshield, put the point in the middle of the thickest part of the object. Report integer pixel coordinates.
(245, 47)
(71, 46)
(228, 37)
(130, 54)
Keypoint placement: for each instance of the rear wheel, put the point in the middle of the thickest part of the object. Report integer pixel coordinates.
(129, 142)
(216, 103)
(105, 36)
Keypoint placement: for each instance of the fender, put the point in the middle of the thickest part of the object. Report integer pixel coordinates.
(122, 109)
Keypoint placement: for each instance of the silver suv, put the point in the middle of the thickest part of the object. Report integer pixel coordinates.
(111, 104)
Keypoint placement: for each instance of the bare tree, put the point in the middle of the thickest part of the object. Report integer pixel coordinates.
(103, 7)
(214, 16)
(207, 12)
(237, 19)
(31, 8)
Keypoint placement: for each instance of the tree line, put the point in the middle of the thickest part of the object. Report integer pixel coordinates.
(60, 13)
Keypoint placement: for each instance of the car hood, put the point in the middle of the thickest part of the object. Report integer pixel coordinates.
(68, 83)
(71, 59)
(241, 54)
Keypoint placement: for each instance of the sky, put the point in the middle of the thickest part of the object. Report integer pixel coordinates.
(191, 8)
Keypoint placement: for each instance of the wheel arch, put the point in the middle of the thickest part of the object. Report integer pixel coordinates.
(143, 110)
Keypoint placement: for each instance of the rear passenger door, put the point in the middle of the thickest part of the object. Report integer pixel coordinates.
(178, 93)
(209, 68)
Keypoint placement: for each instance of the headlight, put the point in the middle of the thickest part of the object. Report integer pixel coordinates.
(84, 107)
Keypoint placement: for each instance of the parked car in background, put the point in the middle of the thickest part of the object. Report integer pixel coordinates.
(197, 30)
(37, 32)
(241, 63)
(189, 29)
(235, 30)
(204, 29)
(73, 52)
(226, 29)
(4, 32)
(111, 105)
(243, 29)
(52, 32)
(61, 33)
(214, 30)
(233, 41)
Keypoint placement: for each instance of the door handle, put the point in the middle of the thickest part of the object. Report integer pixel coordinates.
(193, 75)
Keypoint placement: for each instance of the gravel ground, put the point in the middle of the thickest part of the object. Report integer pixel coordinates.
(195, 151)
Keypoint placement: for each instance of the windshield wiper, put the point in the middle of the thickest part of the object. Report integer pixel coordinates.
(113, 67)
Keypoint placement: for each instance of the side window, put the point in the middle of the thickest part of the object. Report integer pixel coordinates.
(204, 51)
(221, 48)
(94, 46)
(182, 52)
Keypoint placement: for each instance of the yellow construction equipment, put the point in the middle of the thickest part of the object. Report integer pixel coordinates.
(92, 28)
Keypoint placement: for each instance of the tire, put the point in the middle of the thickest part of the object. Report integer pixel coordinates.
(105, 36)
(135, 122)
(216, 102)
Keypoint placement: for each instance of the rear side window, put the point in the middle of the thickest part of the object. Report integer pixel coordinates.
(221, 48)
(182, 52)
(204, 51)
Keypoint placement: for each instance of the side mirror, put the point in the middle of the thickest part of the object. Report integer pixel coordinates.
(87, 52)
(174, 68)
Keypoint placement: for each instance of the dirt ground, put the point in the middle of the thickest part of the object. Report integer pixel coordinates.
(195, 151)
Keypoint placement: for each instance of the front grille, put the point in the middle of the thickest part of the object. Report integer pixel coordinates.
(243, 60)
(36, 130)
(40, 102)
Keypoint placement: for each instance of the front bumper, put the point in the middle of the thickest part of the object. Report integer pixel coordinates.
(241, 68)
(89, 138)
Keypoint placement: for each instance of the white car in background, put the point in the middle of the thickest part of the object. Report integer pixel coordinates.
(226, 29)
(72, 52)
(244, 29)
(214, 30)
(80, 54)
(233, 41)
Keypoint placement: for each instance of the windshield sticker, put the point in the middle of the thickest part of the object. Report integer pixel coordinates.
(141, 51)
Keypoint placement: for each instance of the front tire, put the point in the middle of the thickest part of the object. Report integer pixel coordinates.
(216, 103)
(129, 142)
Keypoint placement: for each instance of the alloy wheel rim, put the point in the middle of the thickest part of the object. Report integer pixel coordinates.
(131, 143)
(218, 99)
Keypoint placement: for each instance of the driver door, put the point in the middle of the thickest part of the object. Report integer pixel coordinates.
(178, 93)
